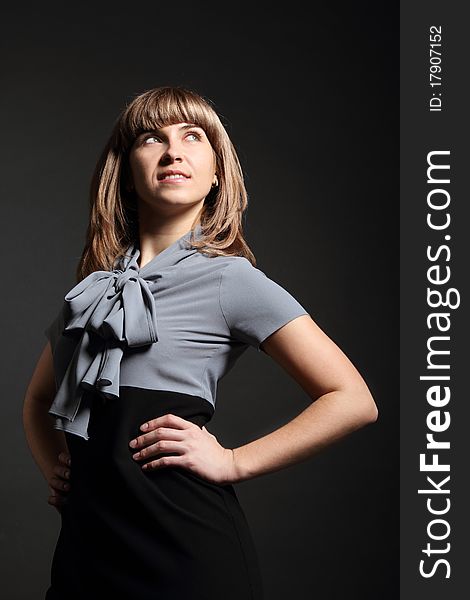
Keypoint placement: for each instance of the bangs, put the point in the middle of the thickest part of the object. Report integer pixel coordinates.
(167, 106)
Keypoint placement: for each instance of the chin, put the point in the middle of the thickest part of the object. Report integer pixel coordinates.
(169, 200)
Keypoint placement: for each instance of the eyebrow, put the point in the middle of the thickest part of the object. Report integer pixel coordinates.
(157, 130)
(190, 125)
(187, 126)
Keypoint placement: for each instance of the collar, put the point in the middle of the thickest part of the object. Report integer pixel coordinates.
(168, 257)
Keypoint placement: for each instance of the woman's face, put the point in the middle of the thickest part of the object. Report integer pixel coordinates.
(183, 148)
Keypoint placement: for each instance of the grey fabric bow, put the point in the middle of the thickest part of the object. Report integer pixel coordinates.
(107, 311)
(111, 309)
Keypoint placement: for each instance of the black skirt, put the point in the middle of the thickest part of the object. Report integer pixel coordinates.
(128, 533)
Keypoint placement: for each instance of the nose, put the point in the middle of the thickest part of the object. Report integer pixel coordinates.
(172, 153)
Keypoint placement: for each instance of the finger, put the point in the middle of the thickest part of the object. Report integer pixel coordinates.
(57, 497)
(65, 458)
(168, 420)
(59, 484)
(63, 472)
(164, 461)
(161, 447)
(56, 500)
(157, 434)
(57, 504)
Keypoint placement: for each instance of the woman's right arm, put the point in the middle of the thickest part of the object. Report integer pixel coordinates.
(48, 445)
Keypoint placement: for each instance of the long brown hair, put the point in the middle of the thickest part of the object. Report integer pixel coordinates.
(113, 220)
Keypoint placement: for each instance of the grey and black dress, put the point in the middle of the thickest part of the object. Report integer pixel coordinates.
(130, 345)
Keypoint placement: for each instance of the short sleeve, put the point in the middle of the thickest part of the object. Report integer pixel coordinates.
(254, 306)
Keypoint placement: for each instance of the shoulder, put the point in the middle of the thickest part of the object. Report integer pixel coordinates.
(242, 284)
(249, 289)
(238, 266)
(227, 267)
(253, 304)
(239, 275)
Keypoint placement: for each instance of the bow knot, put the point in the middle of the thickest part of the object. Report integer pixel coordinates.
(123, 277)
(109, 310)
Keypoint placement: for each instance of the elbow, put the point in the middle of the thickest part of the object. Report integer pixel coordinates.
(371, 412)
(363, 408)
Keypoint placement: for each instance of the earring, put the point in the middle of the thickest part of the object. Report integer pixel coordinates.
(215, 183)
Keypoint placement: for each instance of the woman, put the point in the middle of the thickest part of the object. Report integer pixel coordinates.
(168, 297)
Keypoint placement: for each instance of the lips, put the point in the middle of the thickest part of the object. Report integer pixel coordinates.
(172, 174)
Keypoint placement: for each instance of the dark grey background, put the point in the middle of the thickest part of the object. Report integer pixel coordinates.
(312, 106)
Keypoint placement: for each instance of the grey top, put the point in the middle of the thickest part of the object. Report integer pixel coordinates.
(179, 323)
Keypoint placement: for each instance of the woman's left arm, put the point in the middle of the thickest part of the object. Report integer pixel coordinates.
(341, 401)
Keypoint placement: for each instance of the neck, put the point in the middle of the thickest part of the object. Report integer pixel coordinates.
(157, 233)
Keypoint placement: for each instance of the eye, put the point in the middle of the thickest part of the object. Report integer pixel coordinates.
(150, 137)
(194, 134)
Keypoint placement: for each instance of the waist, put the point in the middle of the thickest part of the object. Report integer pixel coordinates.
(114, 422)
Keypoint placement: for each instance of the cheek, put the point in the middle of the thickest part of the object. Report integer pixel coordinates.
(206, 167)
(140, 169)
(133, 166)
